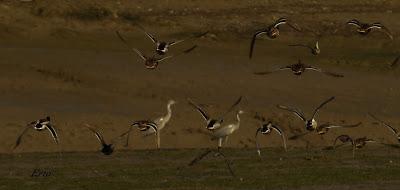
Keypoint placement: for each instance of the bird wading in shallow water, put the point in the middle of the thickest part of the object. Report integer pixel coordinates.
(272, 31)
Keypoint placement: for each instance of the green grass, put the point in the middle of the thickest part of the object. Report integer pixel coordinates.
(168, 169)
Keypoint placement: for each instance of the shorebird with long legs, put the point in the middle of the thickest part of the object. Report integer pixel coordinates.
(298, 69)
(39, 125)
(315, 50)
(150, 127)
(356, 143)
(396, 132)
(151, 62)
(366, 28)
(162, 47)
(311, 124)
(272, 31)
(213, 123)
(265, 129)
(107, 149)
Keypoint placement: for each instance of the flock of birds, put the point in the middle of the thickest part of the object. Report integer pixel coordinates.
(215, 124)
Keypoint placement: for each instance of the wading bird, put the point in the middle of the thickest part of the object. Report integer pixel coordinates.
(311, 125)
(315, 50)
(298, 69)
(151, 62)
(213, 123)
(162, 46)
(265, 129)
(366, 28)
(155, 126)
(221, 134)
(356, 143)
(39, 125)
(392, 129)
(272, 31)
(107, 149)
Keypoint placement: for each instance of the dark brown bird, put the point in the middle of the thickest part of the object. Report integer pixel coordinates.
(298, 69)
(162, 47)
(366, 28)
(107, 149)
(151, 62)
(272, 31)
(356, 143)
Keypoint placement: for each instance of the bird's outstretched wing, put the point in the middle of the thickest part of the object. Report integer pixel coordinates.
(354, 22)
(152, 38)
(273, 71)
(230, 109)
(192, 37)
(330, 126)
(253, 41)
(322, 105)
(324, 72)
(384, 123)
(382, 29)
(18, 142)
(128, 46)
(184, 52)
(52, 132)
(201, 111)
(395, 62)
(280, 132)
(98, 135)
(297, 112)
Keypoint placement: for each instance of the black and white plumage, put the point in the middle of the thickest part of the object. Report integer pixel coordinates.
(396, 132)
(213, 123)
(265, 129)
(315, 50)
(366, 28)
(107, 149)
(298, 69)
(150, 127)
(39, 125)
(151, 62)
(311, 124)
(272, 31)
(162, 47)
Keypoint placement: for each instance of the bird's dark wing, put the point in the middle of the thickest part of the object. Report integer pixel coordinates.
(201, 111)
(230, 109)
(128, 46)
(322, 105)
(324, 72)
(18, 142)
(276, 70)
(152, 38)
(98, 135)
(384, 123)
(192, 37)
(297, 112)
(253, 41)
(184, 52)
(52, 132)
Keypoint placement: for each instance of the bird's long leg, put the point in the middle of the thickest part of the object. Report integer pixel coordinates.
(158, 140)
(228, 163)
(354, 151)
(200, 157)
